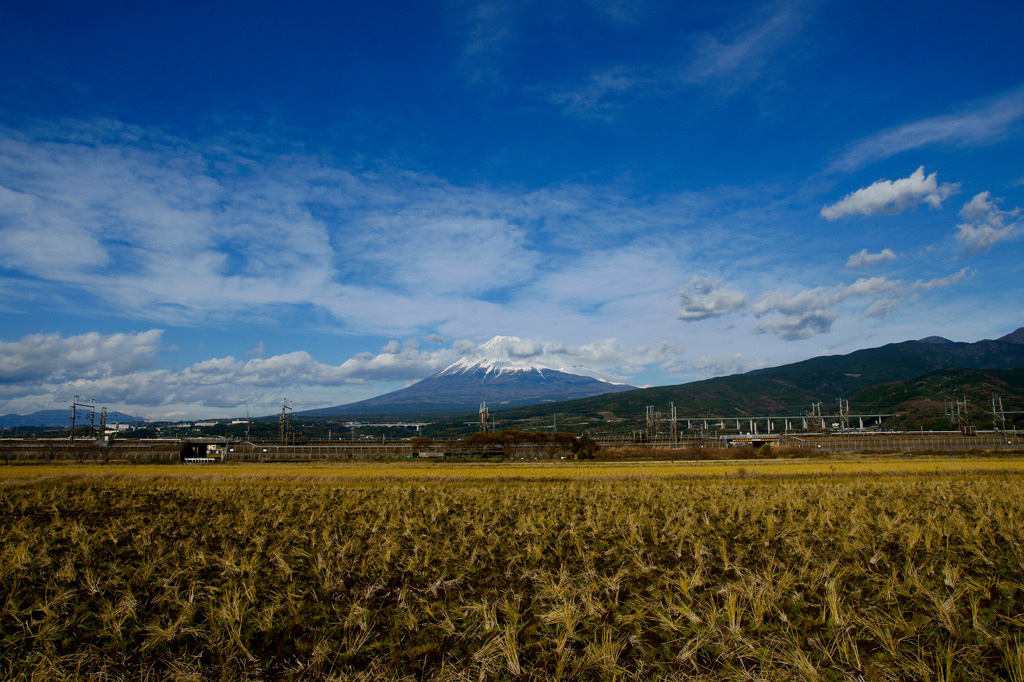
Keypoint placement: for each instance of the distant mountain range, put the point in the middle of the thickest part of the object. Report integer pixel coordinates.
(496, 378)
(790, 389)
(520, 390)
(51, 418)
(896, 375)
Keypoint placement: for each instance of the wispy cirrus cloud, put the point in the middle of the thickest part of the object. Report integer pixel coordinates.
(742, 51)
(181, 233)
(621, 11)
(980, 123)
(600, 94)
(486, 27)
(732, 57)
(892, 196)
(120, 214)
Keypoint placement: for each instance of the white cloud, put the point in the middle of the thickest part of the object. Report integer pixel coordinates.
(45, 370)
(51, 358)
(607, 359)
(139, 227)
(802, 325)
(795, 316)
(396, 363)
(490, 253)
(864, 259)
(812, 311)
(178, 233)
(142, 227)
(982, 123)
(882, 307)
(873, 286)
(892, 196)
(154, 234)
(733, 364)
(703, 298)
(109, 369)
(940, 282)
(259, 351)
(984, 224)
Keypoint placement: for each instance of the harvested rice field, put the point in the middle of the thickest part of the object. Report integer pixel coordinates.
(881, 569)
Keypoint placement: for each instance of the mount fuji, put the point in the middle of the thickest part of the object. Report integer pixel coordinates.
(496, 376)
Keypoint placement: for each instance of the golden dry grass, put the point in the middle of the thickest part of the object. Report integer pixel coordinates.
(854, 569)
(341, 472)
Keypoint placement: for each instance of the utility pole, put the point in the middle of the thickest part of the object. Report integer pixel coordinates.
(675, 430)
(74, 414)
(103, 423)
(285, 420)
(844, 415)
(949, 408)
(998, 416)
(485, 419)
(817, 419)
(963, 419)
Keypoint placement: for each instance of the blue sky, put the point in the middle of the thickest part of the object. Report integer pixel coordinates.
(208, 207)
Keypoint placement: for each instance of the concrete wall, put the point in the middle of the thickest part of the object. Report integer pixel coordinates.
(62, 450)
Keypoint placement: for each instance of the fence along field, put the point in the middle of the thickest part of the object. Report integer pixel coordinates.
(831, 570)
(168, 450)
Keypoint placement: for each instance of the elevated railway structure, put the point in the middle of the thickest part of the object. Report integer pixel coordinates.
(787, 423)
(931, 441)
(890, 441)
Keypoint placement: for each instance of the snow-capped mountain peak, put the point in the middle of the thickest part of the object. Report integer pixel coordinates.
(500, 355)
(503, 355)
(489, 365)
(504, 372)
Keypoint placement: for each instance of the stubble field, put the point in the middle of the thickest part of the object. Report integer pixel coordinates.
(828, 570)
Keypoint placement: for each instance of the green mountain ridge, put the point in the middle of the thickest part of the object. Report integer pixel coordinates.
(922, 402)
(791, 389)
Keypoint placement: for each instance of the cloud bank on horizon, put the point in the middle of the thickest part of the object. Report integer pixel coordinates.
(652, 194)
